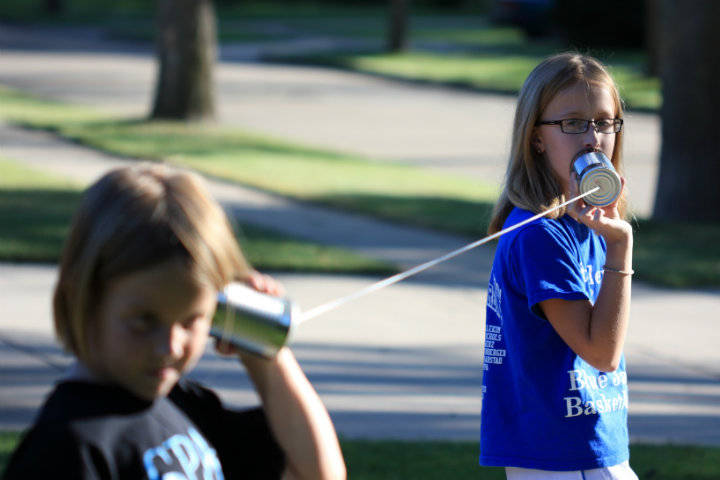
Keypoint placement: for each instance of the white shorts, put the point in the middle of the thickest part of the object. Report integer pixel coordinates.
(621, 471)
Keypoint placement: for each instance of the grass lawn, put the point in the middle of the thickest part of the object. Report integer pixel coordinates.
(449, 460)
(395, 460)
(491, 70)
(675, 255)
(457, 48)
(36, 209)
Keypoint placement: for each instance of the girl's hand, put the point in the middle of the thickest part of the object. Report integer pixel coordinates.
(299, 420)
(606, 221)
(265, 284)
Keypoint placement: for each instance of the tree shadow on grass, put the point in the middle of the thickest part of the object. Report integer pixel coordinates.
(463, 217)
(34, 223)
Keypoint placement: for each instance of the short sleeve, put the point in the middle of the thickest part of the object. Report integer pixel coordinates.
(242, 439)
(545, 261)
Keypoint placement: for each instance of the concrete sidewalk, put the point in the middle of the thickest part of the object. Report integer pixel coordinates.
(404, 363)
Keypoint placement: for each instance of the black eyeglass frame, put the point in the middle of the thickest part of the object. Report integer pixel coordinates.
(617, 125)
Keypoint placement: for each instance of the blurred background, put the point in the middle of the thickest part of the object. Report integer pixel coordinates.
(351, 140)
(140, 62)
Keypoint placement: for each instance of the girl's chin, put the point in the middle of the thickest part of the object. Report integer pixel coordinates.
(156, 385)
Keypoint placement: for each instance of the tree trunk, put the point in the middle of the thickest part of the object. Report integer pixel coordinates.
(688, 185)
(54, 7)
(186, 50)
(397, 31)
(652, 29)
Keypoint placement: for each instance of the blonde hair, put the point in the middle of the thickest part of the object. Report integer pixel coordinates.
(530, 183)
(133, 218)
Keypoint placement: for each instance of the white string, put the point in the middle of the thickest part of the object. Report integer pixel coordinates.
(332, 305)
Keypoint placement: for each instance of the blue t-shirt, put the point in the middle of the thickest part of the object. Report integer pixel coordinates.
(544, 407)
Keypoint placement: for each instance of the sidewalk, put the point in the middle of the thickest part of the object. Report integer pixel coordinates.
(404, 362)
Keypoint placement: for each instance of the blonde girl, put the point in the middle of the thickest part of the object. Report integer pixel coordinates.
(554, 385)
(146, 255)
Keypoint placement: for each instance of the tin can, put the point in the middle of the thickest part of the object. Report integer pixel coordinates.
(252, 321)
(594, 169)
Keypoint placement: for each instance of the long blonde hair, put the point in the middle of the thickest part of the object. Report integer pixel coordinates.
(131, 219)
(530, 183)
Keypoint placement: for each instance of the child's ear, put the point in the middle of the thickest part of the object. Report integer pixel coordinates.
(537, 144)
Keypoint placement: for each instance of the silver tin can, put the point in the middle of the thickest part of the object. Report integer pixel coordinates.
(594, 169)
(252, 321)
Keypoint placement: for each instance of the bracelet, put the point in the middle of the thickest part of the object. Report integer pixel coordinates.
(615, 270)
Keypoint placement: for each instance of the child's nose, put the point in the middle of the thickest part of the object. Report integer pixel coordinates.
(172, 341)
(591, 138)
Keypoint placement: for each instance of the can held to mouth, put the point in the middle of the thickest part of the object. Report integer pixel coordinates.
(252, 321)
(594, 169)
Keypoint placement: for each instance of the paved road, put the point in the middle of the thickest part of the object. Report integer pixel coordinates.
(404, 362)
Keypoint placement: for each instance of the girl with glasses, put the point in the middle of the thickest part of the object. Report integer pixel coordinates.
(555, 387)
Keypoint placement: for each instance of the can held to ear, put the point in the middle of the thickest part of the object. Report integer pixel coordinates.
(252, 321)
(594, 169)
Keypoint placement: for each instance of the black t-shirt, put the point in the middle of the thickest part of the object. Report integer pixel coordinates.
(89, 431)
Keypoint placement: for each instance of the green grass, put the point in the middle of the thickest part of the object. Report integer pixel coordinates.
(8, 441)
(500, 70)
(83, 10)
(36, 209)
(441, 460)
(271, 251)
(241, 21)
(675, 255)
(426, 460)
(379, 460)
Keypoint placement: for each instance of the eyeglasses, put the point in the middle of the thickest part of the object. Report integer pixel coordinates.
(578, 125)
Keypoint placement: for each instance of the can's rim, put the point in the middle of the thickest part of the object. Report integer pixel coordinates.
(585, 151)
(601, 198)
